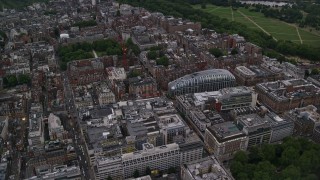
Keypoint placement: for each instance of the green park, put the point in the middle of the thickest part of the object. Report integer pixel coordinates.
(279, 30)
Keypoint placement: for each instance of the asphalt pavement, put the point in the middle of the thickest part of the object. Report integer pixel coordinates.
(76, 131)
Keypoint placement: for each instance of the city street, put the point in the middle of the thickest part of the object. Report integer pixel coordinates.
(78, 137)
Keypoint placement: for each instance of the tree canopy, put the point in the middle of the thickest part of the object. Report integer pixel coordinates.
(134, 73)
(216, 52)
(181, 8)
(13, 80)
(83, 24)
(164, 61)
(135, 49)
(18, 3)
(83, 50)
(152, 55)
(295, 158)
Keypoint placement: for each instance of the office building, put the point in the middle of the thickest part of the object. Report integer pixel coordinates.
(208, 80)
(191, 148)
(315, 79)
(224, 140)
(206, 168)
(56, 130)
(226, 99)
(156, 158)
(109, 167)
(251, 75)
(306, 120)
(143, 87)
(36, 135)
(261, 125)
(57, 172)
(281, 96)
(171, 125)
(141, 178)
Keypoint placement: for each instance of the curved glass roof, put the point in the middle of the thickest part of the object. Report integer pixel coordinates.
(201, 77)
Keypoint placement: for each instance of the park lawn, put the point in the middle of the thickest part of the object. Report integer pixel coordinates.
(310, 38)
(278, 29)
(223, 12)
(239, 18)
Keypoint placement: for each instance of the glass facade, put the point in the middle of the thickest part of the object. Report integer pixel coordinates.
(209, 80)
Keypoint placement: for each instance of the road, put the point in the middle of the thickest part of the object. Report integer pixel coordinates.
(76, 131)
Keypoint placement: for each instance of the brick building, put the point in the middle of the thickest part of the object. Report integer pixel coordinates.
(281, 96)
(171, 25)
(143, 87)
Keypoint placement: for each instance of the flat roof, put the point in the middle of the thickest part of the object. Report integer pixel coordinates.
(226, 130)
(155, 150)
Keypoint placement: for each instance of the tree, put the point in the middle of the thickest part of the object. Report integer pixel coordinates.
(182, 9)
(291, 172)
(216, 52)
(234, 51)
(315, 71)
(241, 157)
(267, 168)
(24, 79)
(152, 55)
(203, 5)
(136, 173)
(134, 73)
(163, 61)
(293, 159)
(311, 177)
(148, 171)
(268, 153)
(135, 48)
(57, 32)
(109, 178)
(255, 155)
(10, 81)
(289, 156)
(118, 13)
(242, 176)
(172, 170)
(82, 24)
(236, 168)
(281, 59)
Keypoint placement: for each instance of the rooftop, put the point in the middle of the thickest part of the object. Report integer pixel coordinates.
(306, 113)
(138, 81)
(203, 75)
(246, 71)
(150, 150)
(225, 131)
(170, 120)
(141, 178)
(104, 160)
(289, 89)
(206, 168)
